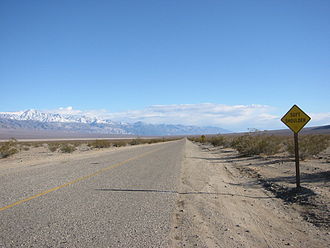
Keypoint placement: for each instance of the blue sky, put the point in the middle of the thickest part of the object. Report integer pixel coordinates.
(124, 57)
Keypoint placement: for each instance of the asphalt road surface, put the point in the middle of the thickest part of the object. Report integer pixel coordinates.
(122, 199)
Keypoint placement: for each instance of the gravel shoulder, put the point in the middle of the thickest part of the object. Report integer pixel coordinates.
(221, 205)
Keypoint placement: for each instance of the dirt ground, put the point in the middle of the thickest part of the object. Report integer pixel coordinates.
(230, 201)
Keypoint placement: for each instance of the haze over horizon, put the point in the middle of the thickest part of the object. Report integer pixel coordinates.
(229, 64)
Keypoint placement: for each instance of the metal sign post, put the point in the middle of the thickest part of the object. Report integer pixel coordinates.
(296, 119)
(296, 152)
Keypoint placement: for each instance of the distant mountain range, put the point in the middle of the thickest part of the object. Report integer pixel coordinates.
(37, 120)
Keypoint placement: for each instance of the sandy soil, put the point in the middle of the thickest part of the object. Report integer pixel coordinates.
(277, 175)
(224, 201)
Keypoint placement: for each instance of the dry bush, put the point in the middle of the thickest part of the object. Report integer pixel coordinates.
(218, 141)
(8, 148)
(53, 146)
(36, 144)
(202, 139)
(67, 148)
(100, 144)
(250, 145)
(152, 141)
(136, 142)
(76, 143)
(309, 145)
(256, 144)
(119, 143)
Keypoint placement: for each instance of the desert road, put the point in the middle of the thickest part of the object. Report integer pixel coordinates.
(124, 198)
(171, 194)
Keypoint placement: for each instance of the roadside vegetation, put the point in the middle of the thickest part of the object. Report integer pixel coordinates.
(12, 146)
(67, 148)
(255, 143)
(99, 144)
(268, 160)
(8, 148)
(309, 145)
(53, 147)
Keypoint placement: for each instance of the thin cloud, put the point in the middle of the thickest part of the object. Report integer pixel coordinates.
(320, 118)
(65, 111)
(231, 117)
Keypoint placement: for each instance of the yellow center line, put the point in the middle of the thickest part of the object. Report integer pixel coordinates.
(78, 179)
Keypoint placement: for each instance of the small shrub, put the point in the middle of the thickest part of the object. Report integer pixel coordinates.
(37, 144)
(136, 142)
(214, 140)
(8, 148)
(309, 145)
(53, 146)
(67, 148)
(100, 144)
(119, 143)
(200, 139)
(151, 141)
(218, 141)
(270, 145)
(76, 144)
(250, 145)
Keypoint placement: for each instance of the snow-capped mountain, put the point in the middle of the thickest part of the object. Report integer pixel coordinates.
(37, 120)
(35, 115)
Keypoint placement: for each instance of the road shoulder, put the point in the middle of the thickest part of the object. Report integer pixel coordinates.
(218, 206)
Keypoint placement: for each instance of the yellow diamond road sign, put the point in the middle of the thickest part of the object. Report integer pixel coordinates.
(295, 119)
